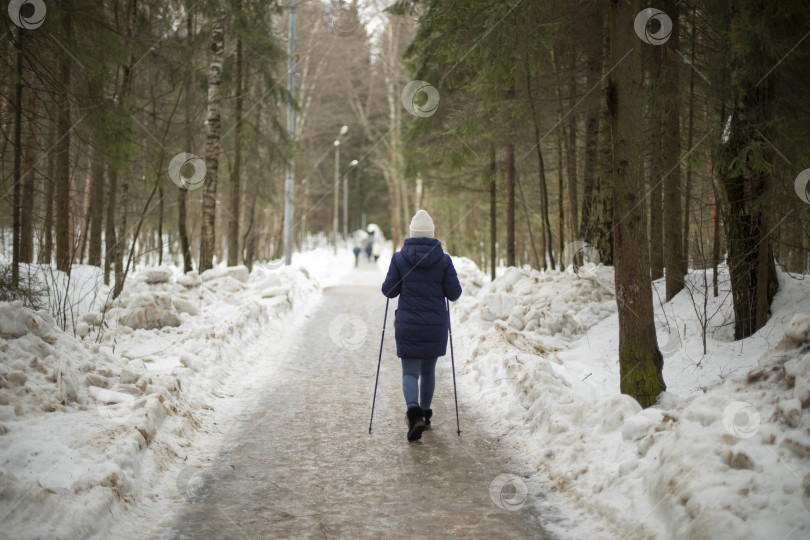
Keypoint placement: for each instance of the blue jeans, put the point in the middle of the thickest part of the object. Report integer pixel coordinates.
(412, 368)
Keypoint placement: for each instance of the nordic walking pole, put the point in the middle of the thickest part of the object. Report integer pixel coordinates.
(453, 363)
(385, 318)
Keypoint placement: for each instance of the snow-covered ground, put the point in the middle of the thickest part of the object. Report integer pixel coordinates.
(724, 454)
(102, 424)
(92, 418)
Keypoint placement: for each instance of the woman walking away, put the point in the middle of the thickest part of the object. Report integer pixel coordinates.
(423, 276)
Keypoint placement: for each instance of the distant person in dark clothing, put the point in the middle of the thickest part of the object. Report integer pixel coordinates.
(422, 275)
(357, 247)
(369, 244)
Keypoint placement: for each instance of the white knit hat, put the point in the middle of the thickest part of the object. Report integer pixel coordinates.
(422, 225)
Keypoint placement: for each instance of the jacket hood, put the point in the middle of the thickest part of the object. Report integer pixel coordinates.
(422, 252)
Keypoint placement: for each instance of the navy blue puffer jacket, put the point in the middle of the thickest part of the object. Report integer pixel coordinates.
(423, 276)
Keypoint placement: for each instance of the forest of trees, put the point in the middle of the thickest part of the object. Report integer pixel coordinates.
(148, 132)
(665, 137)
(662, 137)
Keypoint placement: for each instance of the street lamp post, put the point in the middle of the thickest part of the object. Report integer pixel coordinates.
(352, 165)
(343, 131)
(336, 189)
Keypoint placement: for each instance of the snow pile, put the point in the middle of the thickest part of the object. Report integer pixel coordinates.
(80, 410)
(735, 461)
(555, 304)
(41, 366)
(540, 349)
(150, 311)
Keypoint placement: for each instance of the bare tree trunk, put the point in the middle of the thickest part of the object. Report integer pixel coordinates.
(249, 238)
(268, 235)
(715, 235)
(571, 147)
(640, 361)
(690, 138)
(46, 253)
(404, 195)
(560, 183)
(673, 226)
(493, 212)
(560, 205)
(64, 245)
(529, 226)
(96, 206)
(656, 171)
(27, 203)
(279, 247)
(233, 221)
(750, 258)
(718, 204)
(5, 90)
(548, 241)
(212, 149)
(85, 211)
(159, 245)
(221, 237)
(393, 192)
(510, 203)
(602, 203)
(393, 33)
(122, 175)
(110, 241)
(121, 242)
(591, 121)
(185, 245)
(18, 98)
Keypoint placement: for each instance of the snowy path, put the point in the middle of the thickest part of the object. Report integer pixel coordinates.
(302, 464)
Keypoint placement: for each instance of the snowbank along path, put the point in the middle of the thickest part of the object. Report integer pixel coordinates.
(302, 463)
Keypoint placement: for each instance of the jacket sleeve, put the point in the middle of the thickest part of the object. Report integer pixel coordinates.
(452, 287)
(392, 285)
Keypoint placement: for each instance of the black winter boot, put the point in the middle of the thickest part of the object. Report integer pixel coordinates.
(428, 415)
(416, 425)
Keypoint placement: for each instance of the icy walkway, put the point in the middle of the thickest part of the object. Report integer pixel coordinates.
(302, 463)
